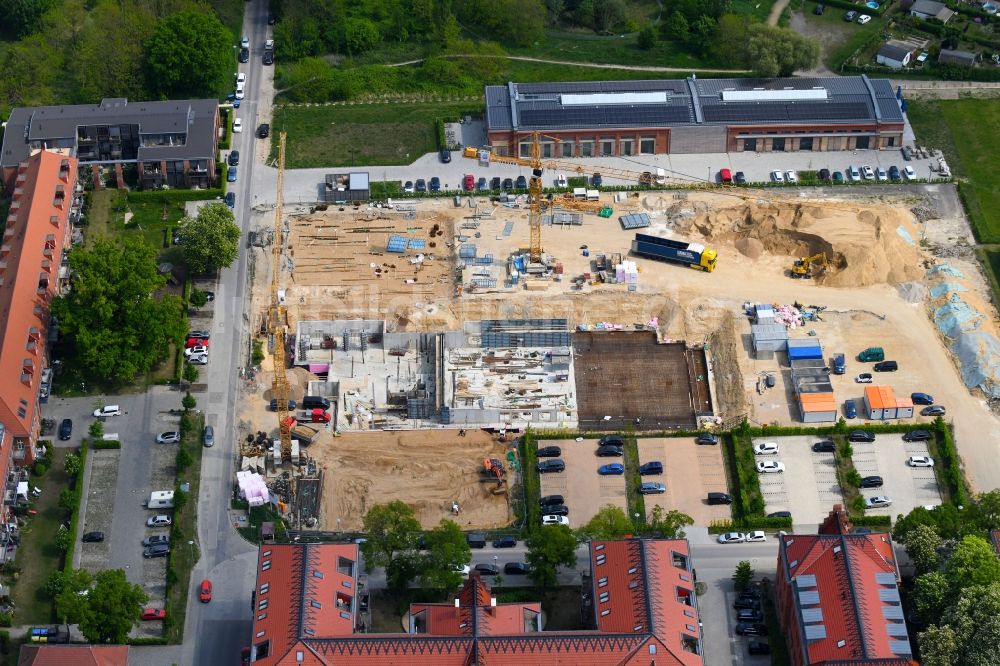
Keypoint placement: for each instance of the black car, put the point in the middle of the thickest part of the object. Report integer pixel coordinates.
(611, 440)
(751, 629)
(886, 366)
(515, 569)
(155, 539)
(290, 405)
(158, 550)
(263, 131)
(917, 436)
(554, 465)
(487, 569)
(231, 199)
(272, 19)
(780, 514)
(93, 537)
(756, 647)
(720, 498)
(824, 174)
(268, 57)
(66, 429)
(435, 184)
(871, 482)
(826, 446)
(933, 410)
(610, 451)
(596, 180)
(421, 185)
(742, 603)
(234, 158)
(549, 452)
(551, 499)
(444, 155)
(740, 178)
(894, 173)
(507, 185)
(495, 183)
(244, 55)
(860, 436)
(749, 615)
(706, 438)
(521, 183)
(652, 467)
(505, 542)
(556, 510)
(749, 593)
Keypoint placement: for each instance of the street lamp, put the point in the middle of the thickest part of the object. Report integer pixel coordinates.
(495, 568)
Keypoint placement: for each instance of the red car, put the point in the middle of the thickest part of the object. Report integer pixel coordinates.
(469, 182)
(154, 614)
(192, 342)
(205, 591)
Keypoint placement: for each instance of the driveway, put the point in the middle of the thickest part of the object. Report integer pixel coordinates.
(585, 490)
(808, 488)
(690, 473)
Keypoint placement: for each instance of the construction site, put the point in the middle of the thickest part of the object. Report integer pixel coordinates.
(437, 328)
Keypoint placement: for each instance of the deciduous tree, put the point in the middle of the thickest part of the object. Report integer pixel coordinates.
(931, 595)
(189, 55)
(71, 606)
(392, 532)
(668, 524)
(113, 607)
(609, 523)
(447, 549)
(550, 547)
(211, 240)
(22, 17)
(773, 51)
(743, 575)
(922, 545)
(973, 562)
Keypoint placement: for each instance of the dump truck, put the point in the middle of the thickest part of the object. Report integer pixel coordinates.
(694, 255)
(315, 415)
(305, 434)
(160, 499)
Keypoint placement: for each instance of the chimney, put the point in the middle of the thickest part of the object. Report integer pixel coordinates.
(492, 610)
(837, 522)
(458, 608)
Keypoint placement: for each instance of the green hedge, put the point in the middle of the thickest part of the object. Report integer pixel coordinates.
(747, 500)
(170, 196)
(750, 523)
(104, 444)
(74, 522)
(871, 521)
(227, 128)
(532, 512)
(951, 470)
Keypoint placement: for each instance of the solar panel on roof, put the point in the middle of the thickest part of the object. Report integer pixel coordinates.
(897, 629)
(808, 598)
(396, 244)
(815, 632)
(900, 647)
(885, 578)
(892, 612)
(634, 221)
(805, 580)
(812, 615)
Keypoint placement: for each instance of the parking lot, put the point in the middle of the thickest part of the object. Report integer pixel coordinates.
(808, 487)
(583, 488)
(690, 473)
(906, 486)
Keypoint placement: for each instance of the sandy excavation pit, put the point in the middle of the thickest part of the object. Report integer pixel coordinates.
(427, 470)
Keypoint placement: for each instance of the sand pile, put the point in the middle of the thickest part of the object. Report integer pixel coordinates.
(865, 247)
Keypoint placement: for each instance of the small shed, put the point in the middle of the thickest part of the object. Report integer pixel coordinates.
(768, 339)
(958, 57)
(347, 187)
(894, 54)
(927, 9)
(817, 407)
(804, 349)
(881, 403)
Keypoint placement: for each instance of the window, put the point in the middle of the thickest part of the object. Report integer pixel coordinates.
(260, 634)
(567, 148)
(262, 604)
(601, 582)
(264, 588)
(607, 147)
(262, 616)
(601, 559)
(604, 597)
(315, 604)
(345, 616)
(647, 145)
(862, 143)
(317, 574)
(891, 141)
(627, 146)
(548, 149)
(750, 145)
(806, 143)
(267, 553)
(778, 144)
(634, 584)
(266, 565)
(309, 632)
(632, 570)
(599, 547)
(686, 579)
(586, 147)
(525, 149)
(22, 412)
(605, 612)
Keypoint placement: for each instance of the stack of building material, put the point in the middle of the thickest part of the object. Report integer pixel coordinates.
(627, 273)
(253, 488)
(882, 403)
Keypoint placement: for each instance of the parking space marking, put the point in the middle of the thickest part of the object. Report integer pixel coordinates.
(584, 490)
(686, 490)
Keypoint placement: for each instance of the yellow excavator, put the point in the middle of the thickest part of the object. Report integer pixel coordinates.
(803, 268)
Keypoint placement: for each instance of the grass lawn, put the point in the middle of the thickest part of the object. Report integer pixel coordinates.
(614, 50)
(752, 8)
(151, 217)
(185, 528)
(231, 14)
(37, 556)
(363, 134)
(262, 514)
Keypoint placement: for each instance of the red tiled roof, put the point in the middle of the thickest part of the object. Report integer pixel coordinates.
(477, 631)
(73, 655)
(30, 253)
(854, 617)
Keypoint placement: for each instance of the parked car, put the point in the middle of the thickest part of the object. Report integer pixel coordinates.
(864, 378)
(850, 409)
(521, 183)
(408, 187)
(205, 591)
(155, 539)
(93, 537)
(435, 184)
(933, 410)
(870, 482)
(264, 131)
(881, 175)
(208, 437)
(917, 436)
(770, 467)
(740, 178)
(556, 510)
(237, 125)
(231, 174)
(596, 180)
(421, 185)
(487, 569)
(515, 569)
(160, 520)
(777, 176)
(863, 19)
(732, 537)
(66, 429)
(651, 488)
(751, 629)
(652, 467)
(505, 542)
(549, 452)
(611, 470)
(850, 16)
(153, 614)
(159, 550)
(561, 180)
(482, 185)
(108, 410)
(824, 174)
(757, 536)
(245, 42)
(861, 436)
(749, 615)
(867, 172)
(289, 406)
(171, 437)
(234, 158)
(824, 446)
(920, 461)
(780, 514)
(199, 359)
(894, 173)
(877, 502)
(854, 174)
(909, 173)
(610, 451)
(244, 55)
(463, 569)
(746, 602)
(231, 199)
(837, 177)
(444, 155)
(495, 183)
(791, 177)
(552, 499)
(555, 520)
(706, 438)
(756, 647)
(922, 398)
(765, 448)
(508, 185)
(886, 366)
(611, 440)
(719, 498)
(554, 465)
(268, 58)
(192, 342)
(197, 349)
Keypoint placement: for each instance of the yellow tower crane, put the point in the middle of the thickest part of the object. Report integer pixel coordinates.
(276, 315)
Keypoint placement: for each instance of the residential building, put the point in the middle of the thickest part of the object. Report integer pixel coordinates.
(625, 118)
(73, 655)
(928, 9)
(170, 143)
(31, 255)
(956, 57)
(838, 598)
(894, 54)
(309, 602)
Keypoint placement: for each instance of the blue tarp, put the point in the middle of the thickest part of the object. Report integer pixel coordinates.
(944, 269)
(905, 235)
(979, 357)
(956, 316)
(943, 288)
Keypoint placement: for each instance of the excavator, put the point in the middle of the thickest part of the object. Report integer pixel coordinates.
(493, 469)
(803, 268)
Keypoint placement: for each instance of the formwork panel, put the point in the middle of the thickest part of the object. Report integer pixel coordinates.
(633, 380)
